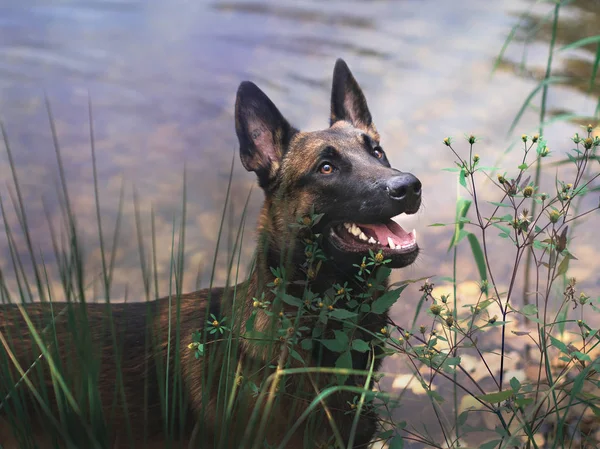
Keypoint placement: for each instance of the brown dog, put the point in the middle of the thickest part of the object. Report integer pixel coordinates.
(130, 375)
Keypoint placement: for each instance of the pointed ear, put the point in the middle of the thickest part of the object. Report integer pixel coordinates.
(348, 101)
(263, 133)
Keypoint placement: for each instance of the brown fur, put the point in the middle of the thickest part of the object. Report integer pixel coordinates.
(282, 158)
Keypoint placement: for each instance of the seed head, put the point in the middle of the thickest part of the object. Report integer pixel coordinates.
(320, 305)
(587, 143)
(590, 128)
(449, 321)
(330, 307)
(543, 196)
(215, 323)
(277, 281)
(493, 319)
(484, 286)
(341, 291)
(306, 220)
(528, 191)
(384, 331)
(256, 304)
(379, 257)
(436, 309)
(422, 328)
(501, 179)
(444, 299)
(554, 216)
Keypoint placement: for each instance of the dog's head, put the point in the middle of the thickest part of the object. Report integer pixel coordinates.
(342, 171)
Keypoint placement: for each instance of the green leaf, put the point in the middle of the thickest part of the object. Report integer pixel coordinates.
(334, 345)
(515, 384)
(522, 401)
(438, 224)
(499, 204)
(581, 356)
(306, 344)
(250, 321)
(560, 345)
(529, 309)
(462, 208)
(344, 361)
(397, 442)
(360, 345)
(381, 274)
(291, 300)
(462, 418)
(342, 314)
(564, 266)
(385, 301)
(522, 167)
(461, 178)
(342, 337)
(490, 444)
(478, 256)
(499, 396)
(297, 356)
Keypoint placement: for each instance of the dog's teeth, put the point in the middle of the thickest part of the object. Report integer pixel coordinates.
(355, 230)
(372, 240)
(414, 233)
(362, 236)
(391, 243)
(347, 225)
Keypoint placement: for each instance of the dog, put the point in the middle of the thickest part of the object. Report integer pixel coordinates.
(145, 381)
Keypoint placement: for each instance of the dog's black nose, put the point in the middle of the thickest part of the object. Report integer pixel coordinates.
(404, 187)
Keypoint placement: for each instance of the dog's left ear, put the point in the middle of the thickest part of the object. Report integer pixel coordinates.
(264, 134)
(348, 101)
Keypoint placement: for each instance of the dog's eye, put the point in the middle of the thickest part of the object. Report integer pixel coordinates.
(326, 168)
(378, 152)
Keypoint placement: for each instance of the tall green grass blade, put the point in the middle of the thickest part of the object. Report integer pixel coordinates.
(542, 86)
(581, 43)
(478, 256)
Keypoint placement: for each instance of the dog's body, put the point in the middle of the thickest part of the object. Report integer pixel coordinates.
(343, 173)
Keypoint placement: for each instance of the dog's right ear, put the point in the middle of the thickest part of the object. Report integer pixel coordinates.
(264, 134)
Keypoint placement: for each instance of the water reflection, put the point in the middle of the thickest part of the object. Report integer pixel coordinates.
(162, 77)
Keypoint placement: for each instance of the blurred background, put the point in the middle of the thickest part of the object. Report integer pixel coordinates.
(162, 78)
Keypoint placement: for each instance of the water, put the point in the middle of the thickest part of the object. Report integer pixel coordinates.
(162, 77)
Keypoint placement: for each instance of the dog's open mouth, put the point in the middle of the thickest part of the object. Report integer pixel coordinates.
(388, 236)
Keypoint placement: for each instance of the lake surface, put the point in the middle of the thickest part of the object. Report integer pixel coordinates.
(162, 78)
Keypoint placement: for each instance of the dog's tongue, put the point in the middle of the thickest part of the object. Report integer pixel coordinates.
(391, 230)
